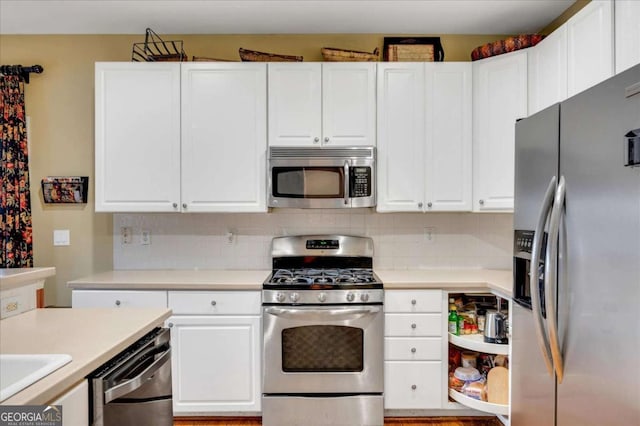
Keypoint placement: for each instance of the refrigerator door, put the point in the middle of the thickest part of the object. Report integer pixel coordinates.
(536, 159)
(599, 268)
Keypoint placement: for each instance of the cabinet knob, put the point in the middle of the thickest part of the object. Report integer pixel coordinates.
(213, 303)
(413, 350)
(429, 204)
(118, 303)
(184, 205)
(414, 387)
(481, 202)
(175, 205)
(170, 325)
(326, 139)
(420, 205)
(413, 326)
(414, 301)
(316, 139)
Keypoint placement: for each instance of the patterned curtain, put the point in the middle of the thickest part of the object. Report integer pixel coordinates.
(16, 248)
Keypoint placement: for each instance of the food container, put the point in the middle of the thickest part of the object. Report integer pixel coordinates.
(469, 359)
(473, 386)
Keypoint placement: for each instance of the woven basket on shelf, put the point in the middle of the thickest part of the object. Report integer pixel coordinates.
(507, 45)
(255, 56)
(340, 55)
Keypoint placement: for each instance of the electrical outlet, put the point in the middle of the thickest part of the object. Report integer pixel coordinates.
(429, 233)
(145, 237)
(126, 235)
(230, 237)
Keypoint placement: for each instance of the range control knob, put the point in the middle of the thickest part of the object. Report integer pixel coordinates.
(280, 297)
(294, 297)
(364, 297)
(350, 297)
(322, 297)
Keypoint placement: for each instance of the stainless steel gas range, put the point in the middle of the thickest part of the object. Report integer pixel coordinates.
(323, 333)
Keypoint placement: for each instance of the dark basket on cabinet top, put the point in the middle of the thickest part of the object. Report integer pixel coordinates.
(154, 49)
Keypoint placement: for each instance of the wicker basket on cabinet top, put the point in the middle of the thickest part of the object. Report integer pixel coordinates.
(331, 54)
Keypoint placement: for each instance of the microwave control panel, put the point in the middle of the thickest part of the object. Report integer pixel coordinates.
(360, 182)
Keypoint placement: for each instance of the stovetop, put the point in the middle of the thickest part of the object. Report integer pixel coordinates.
(324, 278)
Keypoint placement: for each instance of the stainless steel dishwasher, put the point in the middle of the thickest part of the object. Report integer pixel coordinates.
(134, 388)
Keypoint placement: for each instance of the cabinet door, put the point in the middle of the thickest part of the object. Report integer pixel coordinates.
(137, 136)
(215, 364)
(118, 299)
(349, 103)
(295, 104)
(627, 34)
(75, 405)
(499, 99)
(448, 136)
(547, 67)
(224, 137)
(413, 384)
(401, 142)
(590, 46)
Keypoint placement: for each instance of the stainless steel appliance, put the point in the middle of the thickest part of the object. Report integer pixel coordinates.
(134, 388)
(495, 327)
(575, 340)
(323, 333)
(330, 178)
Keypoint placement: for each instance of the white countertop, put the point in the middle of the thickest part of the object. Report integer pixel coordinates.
(174, 280)
(11, 278)
(90, 336)
(449, 279)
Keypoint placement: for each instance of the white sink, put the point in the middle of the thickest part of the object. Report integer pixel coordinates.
(18, 371)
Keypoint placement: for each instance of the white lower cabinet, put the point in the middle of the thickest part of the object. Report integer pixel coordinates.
(118, 299)
(414, 375)
(75, 405)
(216, 362)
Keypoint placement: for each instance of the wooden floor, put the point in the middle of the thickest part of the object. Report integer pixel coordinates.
(391, 421)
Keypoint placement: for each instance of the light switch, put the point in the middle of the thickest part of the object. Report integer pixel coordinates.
(61, 237)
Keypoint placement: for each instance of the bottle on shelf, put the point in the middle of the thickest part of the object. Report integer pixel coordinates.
(453, 318)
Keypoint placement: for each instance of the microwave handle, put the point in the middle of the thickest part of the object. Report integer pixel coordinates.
(346, 182)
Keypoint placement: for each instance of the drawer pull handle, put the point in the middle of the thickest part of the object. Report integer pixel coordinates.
(413, 350)
(414, 301)
(413, 387)
(413, 326)
(170, 325)
(213, 303)
(118, 303)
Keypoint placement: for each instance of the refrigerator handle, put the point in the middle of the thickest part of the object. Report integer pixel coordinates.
(538, 240)
(551, 278)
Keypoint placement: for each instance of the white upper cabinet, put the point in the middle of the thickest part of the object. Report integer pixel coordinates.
(424, 137)
(499, 99)
(224, 137)
(401, 137)
(627, 33)
(590, 46)
(547, 63)
(316, 104)
(448, 136)
(187, 137)
(137, 136)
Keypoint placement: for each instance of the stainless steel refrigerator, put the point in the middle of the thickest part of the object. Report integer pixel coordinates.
(576, 317)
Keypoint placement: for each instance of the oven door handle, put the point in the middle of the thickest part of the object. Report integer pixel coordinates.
(337, 314)
(136, 382)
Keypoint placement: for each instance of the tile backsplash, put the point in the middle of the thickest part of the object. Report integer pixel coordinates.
(242, 240)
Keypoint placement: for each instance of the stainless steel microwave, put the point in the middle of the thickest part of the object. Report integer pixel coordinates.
(326, 178)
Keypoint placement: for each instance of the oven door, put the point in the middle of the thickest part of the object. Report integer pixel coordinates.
(333, 349)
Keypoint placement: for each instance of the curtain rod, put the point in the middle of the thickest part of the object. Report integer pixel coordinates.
(20, 70)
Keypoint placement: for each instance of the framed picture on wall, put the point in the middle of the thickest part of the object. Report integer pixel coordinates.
(65, 189)
(413, 49)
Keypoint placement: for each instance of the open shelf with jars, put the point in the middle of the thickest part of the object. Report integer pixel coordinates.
(478, 365)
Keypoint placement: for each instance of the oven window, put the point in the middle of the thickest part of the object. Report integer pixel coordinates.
(308, 182)
(322, 348)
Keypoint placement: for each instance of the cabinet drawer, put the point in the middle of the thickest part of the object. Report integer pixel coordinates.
(413, 384)
(413, 301)
(413, 325)
(118, 299)
(412, 349)
(215, 302)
